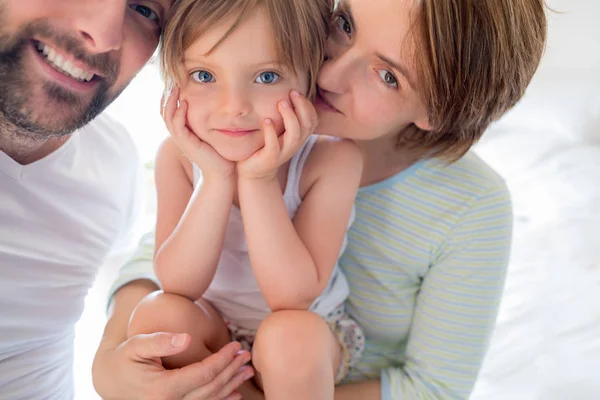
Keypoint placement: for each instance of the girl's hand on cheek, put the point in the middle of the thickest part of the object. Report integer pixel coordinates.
(299, 123)
(199, 152)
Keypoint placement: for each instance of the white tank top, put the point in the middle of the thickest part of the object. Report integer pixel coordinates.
(234, 290)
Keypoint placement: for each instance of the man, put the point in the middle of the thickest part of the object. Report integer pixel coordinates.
(67, 182)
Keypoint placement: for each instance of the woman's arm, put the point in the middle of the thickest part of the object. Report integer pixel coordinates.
(456, 307)
(293, 261)
(191, 224)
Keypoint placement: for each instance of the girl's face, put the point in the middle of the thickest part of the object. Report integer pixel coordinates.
(368, 86)
(233, 87)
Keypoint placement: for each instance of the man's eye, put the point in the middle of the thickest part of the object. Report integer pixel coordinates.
(146, 12)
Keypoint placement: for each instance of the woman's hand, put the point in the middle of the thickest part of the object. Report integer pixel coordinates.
(299, 125)
(199, 152)
(134, 370)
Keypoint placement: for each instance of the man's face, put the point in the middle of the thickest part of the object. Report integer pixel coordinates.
(63, 61)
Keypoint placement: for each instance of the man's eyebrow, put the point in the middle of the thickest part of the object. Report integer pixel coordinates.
(401, 69)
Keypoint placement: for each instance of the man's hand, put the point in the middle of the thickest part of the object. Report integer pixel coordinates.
(133, 370)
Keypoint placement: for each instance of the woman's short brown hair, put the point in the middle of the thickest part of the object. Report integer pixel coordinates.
(300, 29)
(475, 59)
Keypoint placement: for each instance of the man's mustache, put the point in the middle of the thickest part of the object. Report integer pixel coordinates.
(106, 65)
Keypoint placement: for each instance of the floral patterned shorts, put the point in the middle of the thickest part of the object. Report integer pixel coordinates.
(348, 333)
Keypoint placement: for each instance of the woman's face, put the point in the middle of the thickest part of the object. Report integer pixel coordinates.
(368, 86)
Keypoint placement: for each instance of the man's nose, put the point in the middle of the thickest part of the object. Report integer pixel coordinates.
(101, 24)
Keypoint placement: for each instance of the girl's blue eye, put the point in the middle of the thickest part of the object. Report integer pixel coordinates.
(344, 24)
(268, 78)
(388, 78)
(202, 76)
(145, 12)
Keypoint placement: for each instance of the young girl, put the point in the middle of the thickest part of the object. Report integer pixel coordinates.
(256, 222)
(414, 84)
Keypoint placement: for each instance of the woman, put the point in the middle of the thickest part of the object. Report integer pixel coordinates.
(414, 84)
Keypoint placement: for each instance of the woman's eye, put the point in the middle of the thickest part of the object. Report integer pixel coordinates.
(146, 12)
(267, 78)
(388, 78)
(344, 24)
(202, 76)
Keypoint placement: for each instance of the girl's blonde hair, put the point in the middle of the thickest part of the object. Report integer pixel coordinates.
(475, 58)
(300, 29)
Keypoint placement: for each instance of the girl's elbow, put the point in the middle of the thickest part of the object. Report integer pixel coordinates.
(290, 301)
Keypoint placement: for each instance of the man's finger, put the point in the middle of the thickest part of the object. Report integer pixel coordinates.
(160, 344)
(224, 385)
(201, 374)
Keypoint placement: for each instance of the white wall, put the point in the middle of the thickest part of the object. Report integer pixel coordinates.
(574, 34)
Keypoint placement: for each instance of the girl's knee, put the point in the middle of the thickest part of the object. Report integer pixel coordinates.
(293, 339)
(164, 312)
(160, 312)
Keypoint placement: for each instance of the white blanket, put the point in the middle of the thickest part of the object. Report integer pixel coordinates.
(547, 342)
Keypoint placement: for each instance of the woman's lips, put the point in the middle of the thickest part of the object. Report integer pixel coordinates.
(322, 102)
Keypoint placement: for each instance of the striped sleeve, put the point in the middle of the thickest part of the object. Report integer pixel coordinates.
(457, 306)
(140, 266)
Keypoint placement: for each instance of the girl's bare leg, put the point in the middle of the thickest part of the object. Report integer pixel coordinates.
(164, 312)
(296, 356)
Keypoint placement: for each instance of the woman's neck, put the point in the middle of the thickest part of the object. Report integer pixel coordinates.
(382, 159)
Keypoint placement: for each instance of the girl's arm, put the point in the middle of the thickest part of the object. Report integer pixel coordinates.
(293, 260)
(190, 226)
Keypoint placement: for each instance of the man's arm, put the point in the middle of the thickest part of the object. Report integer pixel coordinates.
(131, 368)
(122, 305)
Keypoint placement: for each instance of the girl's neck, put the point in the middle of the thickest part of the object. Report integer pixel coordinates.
(382, 159)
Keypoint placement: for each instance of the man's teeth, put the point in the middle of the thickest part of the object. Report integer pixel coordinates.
(62, 65)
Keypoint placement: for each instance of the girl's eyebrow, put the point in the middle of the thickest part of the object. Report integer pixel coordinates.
(272, 64)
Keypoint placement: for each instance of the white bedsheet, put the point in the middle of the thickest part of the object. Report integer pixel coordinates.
(547, 341)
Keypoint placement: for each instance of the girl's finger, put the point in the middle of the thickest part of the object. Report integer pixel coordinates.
(170, 107)
(305, 110)
(292, 135)
(179, 116)
(271, 148)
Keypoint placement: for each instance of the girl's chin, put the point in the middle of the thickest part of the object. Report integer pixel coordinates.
(236, 156)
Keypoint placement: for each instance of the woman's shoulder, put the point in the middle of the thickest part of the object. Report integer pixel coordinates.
(468, 176)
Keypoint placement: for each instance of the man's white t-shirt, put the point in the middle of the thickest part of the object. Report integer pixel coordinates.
(60, 217)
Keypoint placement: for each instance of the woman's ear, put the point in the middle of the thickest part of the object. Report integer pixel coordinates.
(423, 123)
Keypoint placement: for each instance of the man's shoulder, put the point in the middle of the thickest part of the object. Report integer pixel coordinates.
(109, 139)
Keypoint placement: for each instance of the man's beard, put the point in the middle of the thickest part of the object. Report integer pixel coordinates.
(59, 111)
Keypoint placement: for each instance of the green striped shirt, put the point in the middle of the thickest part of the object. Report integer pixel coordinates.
(426, 262)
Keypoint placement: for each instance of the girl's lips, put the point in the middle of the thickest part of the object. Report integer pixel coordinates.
(321, 102)
(236, 132)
